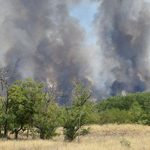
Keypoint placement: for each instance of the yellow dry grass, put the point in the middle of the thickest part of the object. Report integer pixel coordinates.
(106, 137)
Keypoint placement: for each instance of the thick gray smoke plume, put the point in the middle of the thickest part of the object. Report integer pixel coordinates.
(123, 30)
(39, 39)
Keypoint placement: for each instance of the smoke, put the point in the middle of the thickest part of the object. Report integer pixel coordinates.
(40, 39)
(123, 31)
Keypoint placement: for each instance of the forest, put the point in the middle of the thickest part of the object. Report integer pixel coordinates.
(30, 106)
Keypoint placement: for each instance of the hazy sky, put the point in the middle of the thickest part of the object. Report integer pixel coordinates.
(84, 12)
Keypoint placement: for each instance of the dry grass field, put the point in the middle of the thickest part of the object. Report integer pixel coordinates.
(106, 137)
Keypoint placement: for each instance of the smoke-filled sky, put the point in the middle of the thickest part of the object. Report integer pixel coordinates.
(104, 43)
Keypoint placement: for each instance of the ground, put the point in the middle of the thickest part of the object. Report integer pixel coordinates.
(106, 137)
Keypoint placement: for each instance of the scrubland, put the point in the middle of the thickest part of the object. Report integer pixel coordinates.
(106, 137)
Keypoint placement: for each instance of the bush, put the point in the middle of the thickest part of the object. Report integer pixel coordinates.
(114, 115)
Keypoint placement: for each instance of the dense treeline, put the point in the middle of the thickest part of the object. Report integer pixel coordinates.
(30, 106)
(132, 108)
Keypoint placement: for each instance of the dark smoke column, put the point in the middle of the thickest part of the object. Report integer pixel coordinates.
(124, 35)
(40, 39)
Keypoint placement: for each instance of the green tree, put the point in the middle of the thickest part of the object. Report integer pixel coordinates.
(24, 98)
(47, 116)
(135, 111)
(77, 115)
(4, 100)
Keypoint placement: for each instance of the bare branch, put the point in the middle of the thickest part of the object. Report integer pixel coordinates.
(51, 93)
(3, 83)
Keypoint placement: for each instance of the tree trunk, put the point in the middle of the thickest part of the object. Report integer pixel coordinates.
(16, 134)
(6, 122)
(27, 132)
(5, 129)
(42, 135)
